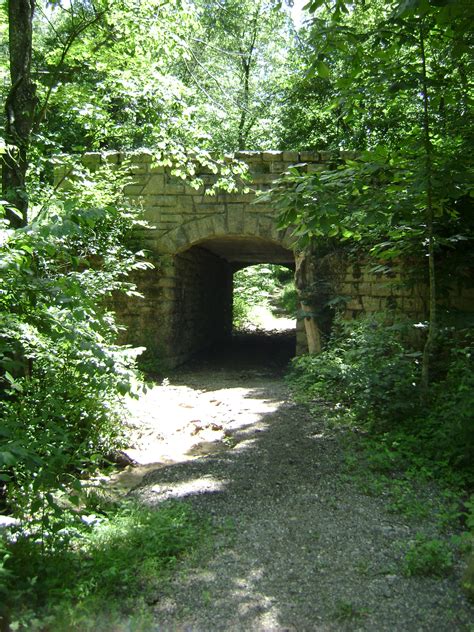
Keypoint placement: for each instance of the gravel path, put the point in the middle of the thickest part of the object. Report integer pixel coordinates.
(298, 546)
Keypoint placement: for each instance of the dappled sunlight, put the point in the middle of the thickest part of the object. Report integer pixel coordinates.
(261, 317)
(183, 489)
(172, 423)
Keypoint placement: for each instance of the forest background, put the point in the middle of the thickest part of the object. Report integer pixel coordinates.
(389, 80)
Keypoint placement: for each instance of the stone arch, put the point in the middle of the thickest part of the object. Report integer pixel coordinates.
(204, 229)
(197, 284)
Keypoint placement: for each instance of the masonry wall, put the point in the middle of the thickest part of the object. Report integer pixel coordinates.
(360, 288)
(187, 298)
(202, 311)
(403, 290)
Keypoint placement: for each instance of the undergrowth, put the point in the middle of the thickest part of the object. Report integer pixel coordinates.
(419, 457)
(104, 573)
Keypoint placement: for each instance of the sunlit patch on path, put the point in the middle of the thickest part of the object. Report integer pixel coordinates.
(296, 544)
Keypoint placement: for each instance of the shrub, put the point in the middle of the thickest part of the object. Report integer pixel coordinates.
(451, 414)
(366, 368)
(61, 374)
(108, 572)
(428, 557)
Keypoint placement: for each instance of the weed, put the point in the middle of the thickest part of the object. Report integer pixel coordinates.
(427, 557)
(109, 571)
(404, 500)
(347, 611)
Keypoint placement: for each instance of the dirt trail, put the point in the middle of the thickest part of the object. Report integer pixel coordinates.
(298, 546)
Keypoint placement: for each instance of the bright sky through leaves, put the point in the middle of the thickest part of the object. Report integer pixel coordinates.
(297, 12)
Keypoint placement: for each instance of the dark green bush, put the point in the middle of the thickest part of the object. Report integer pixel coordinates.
(450, 418)
(62, 376)
(369, 372)
(367, 368)
(104, 573)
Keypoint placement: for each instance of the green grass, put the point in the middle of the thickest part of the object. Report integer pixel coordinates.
(106, 578)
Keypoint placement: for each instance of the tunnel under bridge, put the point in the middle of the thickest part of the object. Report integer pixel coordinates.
(198, 242)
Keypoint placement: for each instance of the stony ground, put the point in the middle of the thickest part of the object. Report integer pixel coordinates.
(298, 546)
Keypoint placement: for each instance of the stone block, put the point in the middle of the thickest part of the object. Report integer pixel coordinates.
(160, 200)
(139, 169)
(235, 219)
(363, 289)
(172, 188)
(259, 209)
(91, 160)
(112, 158)
(263, 179)
(133, 189)
(309, 156)
(260, 167)
(327, 156)
(249, 156)
(167, 293)
(315, 168)
(272, 156)
(184, 201)
(140, 179)
(266, 228)
(412, 305)
(354, 304)
(152, 168)
(191, 191)
(169, 215)
(155, 185)
(290, 156)
(143, 156)
(250, 224)
(241, 197)
(278, 167)
(206, 205)
(371, 304)
(380, 288)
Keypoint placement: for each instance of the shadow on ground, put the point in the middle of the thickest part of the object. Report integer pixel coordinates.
(264, 351)
(297, 546)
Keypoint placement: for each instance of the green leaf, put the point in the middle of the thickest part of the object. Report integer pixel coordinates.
(323, 70)
(7, 459)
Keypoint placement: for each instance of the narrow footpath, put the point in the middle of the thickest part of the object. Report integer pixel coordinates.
(298, 546)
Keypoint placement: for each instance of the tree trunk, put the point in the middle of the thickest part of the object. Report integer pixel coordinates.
(304, 279)
(433, 321)
(19, 110)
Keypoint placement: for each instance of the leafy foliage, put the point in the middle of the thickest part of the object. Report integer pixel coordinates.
(367, 369)
(63, 374)
(103, 574)
(371, 375)
(265, 285)
(408, 192)
(428, 557)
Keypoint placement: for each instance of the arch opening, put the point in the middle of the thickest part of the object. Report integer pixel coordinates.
(264, 298)
(202, 296)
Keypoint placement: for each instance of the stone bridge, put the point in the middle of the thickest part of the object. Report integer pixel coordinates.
(199, 241)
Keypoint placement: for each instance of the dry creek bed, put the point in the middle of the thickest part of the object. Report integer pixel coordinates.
(298, 546)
